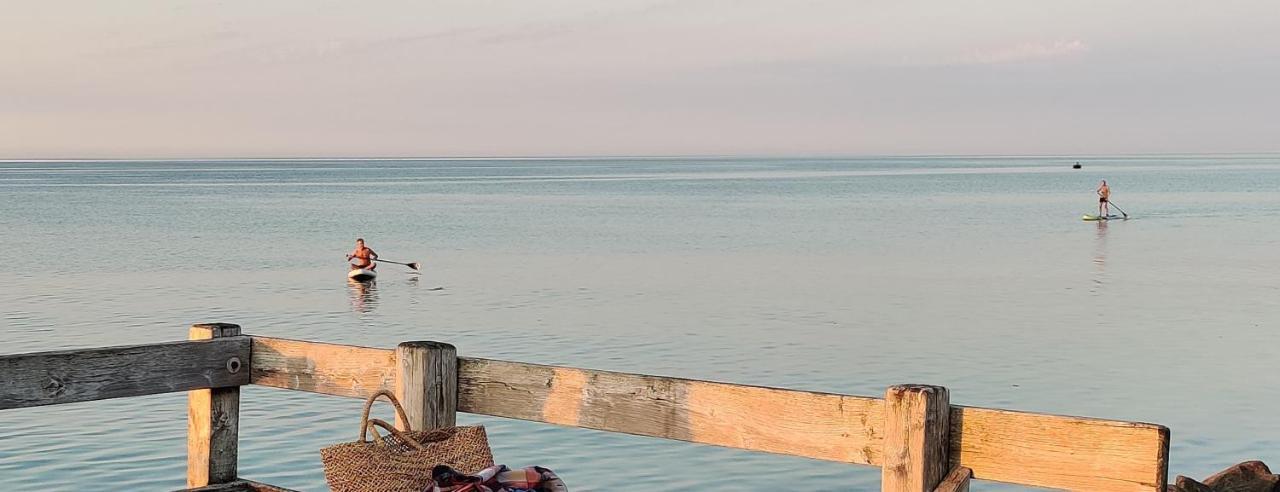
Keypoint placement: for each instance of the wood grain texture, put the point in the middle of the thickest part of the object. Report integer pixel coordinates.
(427, 384)
(956, 481)
(67, 376)
(340, 370)
(1032, 449)
(213, 420)
(916, 425)
(1071, 453)
(816, 425)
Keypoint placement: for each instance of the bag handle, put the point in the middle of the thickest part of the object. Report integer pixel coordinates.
(395, 432)
(437, 435)
(368, 405)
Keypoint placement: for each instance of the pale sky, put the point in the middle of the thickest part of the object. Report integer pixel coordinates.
(303, 78)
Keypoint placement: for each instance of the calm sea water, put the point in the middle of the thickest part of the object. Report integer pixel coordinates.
(840, 275)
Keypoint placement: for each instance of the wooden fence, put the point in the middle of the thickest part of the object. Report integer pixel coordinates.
(921, 442)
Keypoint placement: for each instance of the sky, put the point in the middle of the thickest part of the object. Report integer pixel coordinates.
(316, 78)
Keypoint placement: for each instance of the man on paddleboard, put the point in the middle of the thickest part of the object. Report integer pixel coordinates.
(364, 255)
(1104, 197)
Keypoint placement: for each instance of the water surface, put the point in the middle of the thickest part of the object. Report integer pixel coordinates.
(839, 275)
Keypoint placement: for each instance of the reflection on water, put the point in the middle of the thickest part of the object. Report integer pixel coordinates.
(364, 295)
(1100, 258)
(416, 277)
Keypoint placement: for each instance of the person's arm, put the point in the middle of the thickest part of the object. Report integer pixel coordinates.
(351, 255)
(372, 256)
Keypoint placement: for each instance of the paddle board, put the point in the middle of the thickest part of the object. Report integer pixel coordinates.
(1103, 217)
(361, 274)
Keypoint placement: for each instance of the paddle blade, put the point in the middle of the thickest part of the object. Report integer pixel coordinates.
(414, 265)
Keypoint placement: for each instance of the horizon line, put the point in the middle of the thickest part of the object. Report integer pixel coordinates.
(622, 157)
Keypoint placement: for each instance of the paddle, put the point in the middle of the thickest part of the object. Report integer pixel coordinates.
(413, 265)
(1108, 203)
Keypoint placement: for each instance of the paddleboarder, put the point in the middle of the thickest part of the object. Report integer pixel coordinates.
(365, 256)
(1104, 199)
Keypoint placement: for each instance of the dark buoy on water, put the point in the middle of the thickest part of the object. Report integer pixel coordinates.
(1077, 166)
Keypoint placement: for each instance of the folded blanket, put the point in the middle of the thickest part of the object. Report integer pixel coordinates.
(497, 478)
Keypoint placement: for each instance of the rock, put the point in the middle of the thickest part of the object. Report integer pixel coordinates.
(1250, 476)
(1185, 484)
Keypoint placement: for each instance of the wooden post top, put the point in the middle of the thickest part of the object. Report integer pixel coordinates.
(203, 331)
(426, 345)
(216, 325)
(901, 389)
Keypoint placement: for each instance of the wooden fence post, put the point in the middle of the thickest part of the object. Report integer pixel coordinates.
(427, 384)
(213, 419)
(916, 438)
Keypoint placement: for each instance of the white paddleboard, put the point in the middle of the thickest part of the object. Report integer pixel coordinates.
(362, 274)
(1102, 217)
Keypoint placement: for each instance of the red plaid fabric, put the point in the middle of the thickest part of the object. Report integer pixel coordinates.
(498, 478)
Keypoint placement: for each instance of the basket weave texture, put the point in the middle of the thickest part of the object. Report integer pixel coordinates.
(403, 460)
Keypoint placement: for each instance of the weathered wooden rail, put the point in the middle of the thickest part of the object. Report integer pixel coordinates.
(921, 442)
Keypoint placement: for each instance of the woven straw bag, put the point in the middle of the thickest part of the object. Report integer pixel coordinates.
(403, 460)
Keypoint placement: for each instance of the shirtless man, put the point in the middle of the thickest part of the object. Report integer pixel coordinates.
(364, 255)
(1104, 199)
